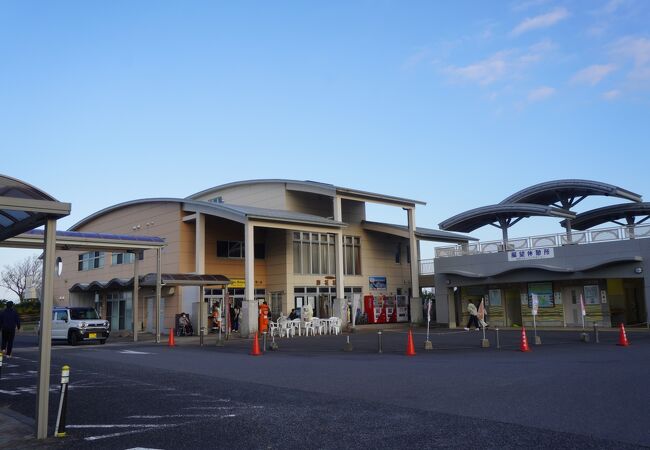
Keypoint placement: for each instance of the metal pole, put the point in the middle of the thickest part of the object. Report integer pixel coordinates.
(497, 330)
(200, 312)
(136, 288)
(1, 355)
(535, 327)
(59, 428)
(45, 339)
(264, 342)
(158, 292)
(379, 336)
(596, 332)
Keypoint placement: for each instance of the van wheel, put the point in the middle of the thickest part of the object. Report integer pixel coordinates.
(73, 338)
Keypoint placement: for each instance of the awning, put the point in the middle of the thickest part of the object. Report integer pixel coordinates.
(149, 280)
(423, 234)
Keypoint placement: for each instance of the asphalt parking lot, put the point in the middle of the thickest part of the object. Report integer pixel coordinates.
(312, 394)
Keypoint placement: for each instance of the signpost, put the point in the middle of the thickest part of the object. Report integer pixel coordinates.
(535, 309)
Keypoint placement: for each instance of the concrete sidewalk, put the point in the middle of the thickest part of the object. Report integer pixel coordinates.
(18, 432)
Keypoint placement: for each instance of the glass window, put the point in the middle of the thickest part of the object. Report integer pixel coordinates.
(122, 258)
(90, 260)
(352, 255)
(313, 253)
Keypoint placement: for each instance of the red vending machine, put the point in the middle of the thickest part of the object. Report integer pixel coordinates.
(374, 309)
(391, 310)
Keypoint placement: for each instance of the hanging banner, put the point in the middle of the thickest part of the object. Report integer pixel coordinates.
(535, 304)
(582, 306)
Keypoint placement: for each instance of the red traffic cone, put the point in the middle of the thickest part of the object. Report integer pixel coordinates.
(410, 348)
(256, 347)
(622, 337)
(170, 342)
(524, 341)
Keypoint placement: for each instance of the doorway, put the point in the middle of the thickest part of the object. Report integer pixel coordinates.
(571, 301)
(513, 307)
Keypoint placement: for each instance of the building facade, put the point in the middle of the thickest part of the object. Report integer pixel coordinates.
(290, 243)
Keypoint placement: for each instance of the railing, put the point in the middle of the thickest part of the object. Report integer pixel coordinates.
(426, 266)
(551, 240)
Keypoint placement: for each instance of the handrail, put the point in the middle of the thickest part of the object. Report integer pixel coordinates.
(548, 240)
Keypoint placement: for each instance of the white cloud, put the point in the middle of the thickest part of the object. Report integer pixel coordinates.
(540, 93)
(637, 51)
(416, 59)
(541, 21)
(503, 64)
(528, 4)
(483, 72)
(611, 95)
(593, 75)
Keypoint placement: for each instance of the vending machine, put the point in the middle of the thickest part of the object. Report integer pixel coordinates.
(391, 309)
(402, 308)
(375, 309)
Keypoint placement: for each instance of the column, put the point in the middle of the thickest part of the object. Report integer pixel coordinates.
(249, 310)
(199, 244)
(45, 339)
(158, 291)
(340, 307)
(416, 302)
(136, 288)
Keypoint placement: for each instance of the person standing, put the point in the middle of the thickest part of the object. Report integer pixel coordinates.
(473, 316)
(9, 323)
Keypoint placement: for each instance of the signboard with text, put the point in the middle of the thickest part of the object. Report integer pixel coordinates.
(530, 253)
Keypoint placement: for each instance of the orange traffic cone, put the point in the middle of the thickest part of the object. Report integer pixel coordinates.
(170, 342)
(256, 347)
(410, 348)
(524, 341)
(622, 337)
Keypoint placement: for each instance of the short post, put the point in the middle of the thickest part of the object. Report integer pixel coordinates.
(497, 330)
(59, 429)
(348, 346)
(1, 355)
(485, 342)
(379, 337)
(427, 344)
(219, 338)
(274, 345)
(201, 333)
(596, 333)
(264, 342)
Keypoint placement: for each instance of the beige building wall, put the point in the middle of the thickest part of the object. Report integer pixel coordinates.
(307, 203)
(262, 195)
(161, 219)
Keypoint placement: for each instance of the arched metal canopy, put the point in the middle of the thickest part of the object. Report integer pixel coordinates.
(24, 207)
(568, 193)
(501, 215)
(614, 213)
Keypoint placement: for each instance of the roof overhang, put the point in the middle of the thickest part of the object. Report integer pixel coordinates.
(24, 207)
(72, 240)
(185, 279)
(552, 192)
(423, 234)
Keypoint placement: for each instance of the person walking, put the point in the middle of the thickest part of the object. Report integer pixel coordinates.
(9, 323)
(473, 316)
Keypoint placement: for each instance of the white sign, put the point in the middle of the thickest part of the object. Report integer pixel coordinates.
(535, 304)
(531, 253)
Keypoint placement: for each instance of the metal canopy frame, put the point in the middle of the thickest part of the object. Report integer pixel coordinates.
(501, 216)
(630, 212)
(22, 208)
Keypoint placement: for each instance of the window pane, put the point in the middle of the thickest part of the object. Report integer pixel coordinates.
(315, 260)
(222, 249)
(305, 258)
(357, 261)
(348, 261)
(296, 235)
(331, 250)
(323, 258)
(234, 249)
(260, 251)
(297, 262)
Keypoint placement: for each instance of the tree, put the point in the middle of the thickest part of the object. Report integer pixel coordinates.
(22, 275)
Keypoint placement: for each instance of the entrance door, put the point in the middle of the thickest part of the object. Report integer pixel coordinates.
(571, 300)
(513, 308)
(151, 314)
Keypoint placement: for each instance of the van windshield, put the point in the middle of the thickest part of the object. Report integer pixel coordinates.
(83, 313)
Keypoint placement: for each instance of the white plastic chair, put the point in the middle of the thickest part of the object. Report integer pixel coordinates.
(274, 328)
(335, 325)
(286, 328)
(297, 325)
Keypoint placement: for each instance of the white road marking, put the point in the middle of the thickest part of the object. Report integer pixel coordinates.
(124, 433)
(211, 416)
(134, 352)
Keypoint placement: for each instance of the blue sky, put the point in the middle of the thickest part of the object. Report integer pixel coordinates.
(458, 104)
